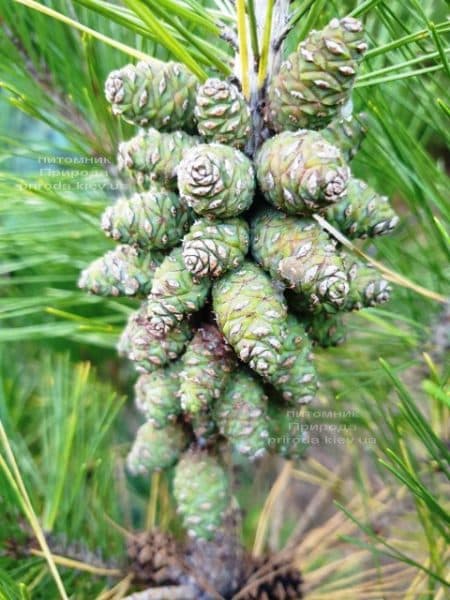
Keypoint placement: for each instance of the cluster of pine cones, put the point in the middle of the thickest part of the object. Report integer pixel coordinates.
(240, 280)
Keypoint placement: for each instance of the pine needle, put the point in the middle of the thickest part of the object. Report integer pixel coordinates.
(15, 479)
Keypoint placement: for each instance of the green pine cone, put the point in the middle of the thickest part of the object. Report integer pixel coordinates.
(174, 294)
(300, 253)
(347, 133)
(156, 94)
(325, 330)
(207, 363)
(251, 314)
(124, 271)
(241, 415)
(295, 376)
(217, 181)
(212, 248)
(148, 352)
(287, 439)
(316, 80)
(153, 219)
(222, 113)
(362, 212)
(156, 395)
(202, 492)
(301, 173)
(367, 286)
(156, 449)
(152, 156)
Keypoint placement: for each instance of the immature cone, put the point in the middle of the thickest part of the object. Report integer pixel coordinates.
(153, 219)
(301, 173)
(202, 492)
(325, 330)
(217, 181)
(156, 395)
(251, 314)
(207, 363)
(219, 562)
(241, 415)
(153, 558)
(156, 94)
(295, 376)
(367, 286)
(148, 352)
(362, 212)
(222, 113)
(347, 133)
(174, 294)
(156, 449)
(300, 253)
(124, 271)
(314, 82)
(287, 437)
(212, 248)
(152, 156)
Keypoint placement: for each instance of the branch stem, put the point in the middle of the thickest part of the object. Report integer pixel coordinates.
(243, 47)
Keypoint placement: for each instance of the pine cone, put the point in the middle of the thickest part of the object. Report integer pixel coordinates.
(152, 156)
(174, 294)
(295, 376)
(212, 248)
(156, 449)
(222, 113)
(207, 363)
(220, 562)
(217, 181)
(362, 212)
(301, 173)
(153, 219)
(124, 271)
(251, 314)
(367, 286)
(202, 492)
(325, 330)
(272, 578)
(153, 557)
(287, 438)
(316, 80)
(347, 133)
(241, 415)
(156, 395)
(148, 352)
(157, 94)
(299, 253)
